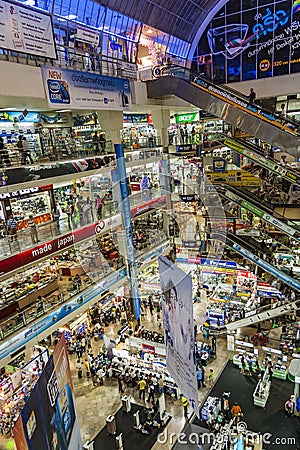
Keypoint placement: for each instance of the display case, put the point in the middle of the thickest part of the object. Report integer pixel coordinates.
(210, 409)
(262, 391)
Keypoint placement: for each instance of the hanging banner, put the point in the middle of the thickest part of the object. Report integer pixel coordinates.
(26, 30)
(178, 317)
(49, 420)
(83, 90)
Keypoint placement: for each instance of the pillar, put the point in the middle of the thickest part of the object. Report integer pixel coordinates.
(161, 122)
(112, 123)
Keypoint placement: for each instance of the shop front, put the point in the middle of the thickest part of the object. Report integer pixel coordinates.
(36, 201)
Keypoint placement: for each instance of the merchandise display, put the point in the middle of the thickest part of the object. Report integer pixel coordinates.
(262, 391)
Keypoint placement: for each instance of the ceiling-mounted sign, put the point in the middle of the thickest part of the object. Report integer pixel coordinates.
(83, 90)
(19, 116)
(87, 35)
(188, 198)
(188, 117)
(26, 30)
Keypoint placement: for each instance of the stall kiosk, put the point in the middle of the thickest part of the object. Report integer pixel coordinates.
(163, 415)
(119, 442)
(88, 445)
(262, 391)
(294, 376)
(136, 420)
(111, 425)
(126, 403)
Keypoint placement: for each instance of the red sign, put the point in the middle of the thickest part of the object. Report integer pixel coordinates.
(148, 348)
(156, 203)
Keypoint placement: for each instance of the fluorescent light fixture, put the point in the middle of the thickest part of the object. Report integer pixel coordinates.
(63, 110)
(30, 2)
(71, 17)
(149, 31)
(9, 109)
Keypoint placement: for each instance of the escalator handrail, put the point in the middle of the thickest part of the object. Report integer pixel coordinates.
(170, 70)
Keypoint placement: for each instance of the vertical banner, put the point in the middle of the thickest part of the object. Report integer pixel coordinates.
(178, 317)
(121, 168)
(48, 420)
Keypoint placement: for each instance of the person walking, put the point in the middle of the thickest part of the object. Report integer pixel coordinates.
(211, 377)
(185, 405)
(120, 384)
(33, 230)
(150, 393)
(87, 367)
(56, 217)
(102, 142)
(78, 366)
(26, 152)
(70, 213)
(142, 388)
(4, 158)
(12, 228)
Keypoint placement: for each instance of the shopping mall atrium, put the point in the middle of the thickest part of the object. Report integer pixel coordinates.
(149, 224)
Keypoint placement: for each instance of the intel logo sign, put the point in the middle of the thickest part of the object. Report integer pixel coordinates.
(54, 86)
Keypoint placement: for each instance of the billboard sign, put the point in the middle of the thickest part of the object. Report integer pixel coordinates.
(178, 318)
(84, 90)
(26, 30)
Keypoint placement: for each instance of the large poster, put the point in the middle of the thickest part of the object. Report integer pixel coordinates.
(84, 90)
(178, 317)
(48, 420)
(25, 30)
(248, 40)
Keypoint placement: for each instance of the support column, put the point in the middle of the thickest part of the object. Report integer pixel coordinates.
(112, 123)
(161, 122)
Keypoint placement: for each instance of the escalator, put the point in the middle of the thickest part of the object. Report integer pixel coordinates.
(259, 208)
(227, 104)
(262, 314)
(255, 154)
(249, 250)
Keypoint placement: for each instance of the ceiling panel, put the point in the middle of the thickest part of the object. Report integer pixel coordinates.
(180, 18)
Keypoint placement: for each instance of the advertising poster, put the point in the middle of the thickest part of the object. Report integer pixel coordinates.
(84, 90)
(26, 30)
(178, 317)
(48, 420)
(249, 40)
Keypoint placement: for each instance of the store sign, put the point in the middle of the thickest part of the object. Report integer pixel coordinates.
(88, 35)
(26, 30)
(25, 192)
(135, 118)
(208, 262)
(19, 116)
(83, 90)
(284, 172)
(61, 315)
(266, 266)
(187, 148)
(188, 198)
(219, 165)
(128, 70)
(188, 117)
(152, 204)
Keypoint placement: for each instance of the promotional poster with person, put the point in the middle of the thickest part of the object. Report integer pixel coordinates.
(48, 420)
(178, 318)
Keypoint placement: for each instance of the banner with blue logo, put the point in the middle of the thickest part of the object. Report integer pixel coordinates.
(84, 90)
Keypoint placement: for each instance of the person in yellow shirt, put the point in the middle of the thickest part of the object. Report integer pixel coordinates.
(142, 388)
(185, 405)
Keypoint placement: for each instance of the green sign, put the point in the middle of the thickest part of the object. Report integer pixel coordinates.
(256, 211)
(188, 117)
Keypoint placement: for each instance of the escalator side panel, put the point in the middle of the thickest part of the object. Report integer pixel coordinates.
(231, 113)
